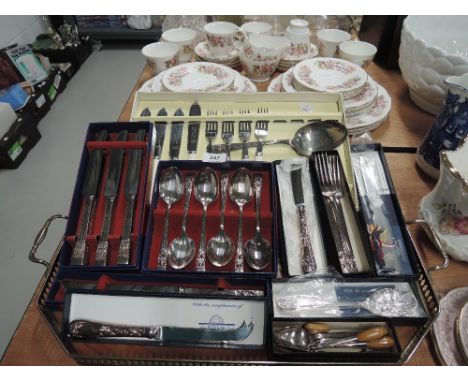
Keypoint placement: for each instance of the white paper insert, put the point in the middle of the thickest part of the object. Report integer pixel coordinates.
(179, 312)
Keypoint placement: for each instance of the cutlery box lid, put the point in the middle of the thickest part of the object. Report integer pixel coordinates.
(285, 113)
(76, 212)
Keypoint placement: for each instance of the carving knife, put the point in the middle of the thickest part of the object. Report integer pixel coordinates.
(193, 131)
(131, 189)
(111, 189)
(90, 329)
(176, 136)
(88, 192)
(308, 264)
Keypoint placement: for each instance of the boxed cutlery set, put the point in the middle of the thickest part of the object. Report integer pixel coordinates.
(220, 229)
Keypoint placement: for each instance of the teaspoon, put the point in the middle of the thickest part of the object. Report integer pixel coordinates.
(220, 247)
(170, 191)
(240, 192)
(182, 248)
(206, 191)
(257, 250)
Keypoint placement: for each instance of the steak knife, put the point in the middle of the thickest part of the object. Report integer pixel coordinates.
(111, 189)
(131, 189)
(176, 136)
(88, 192)
(308, 264)
(160, 134)
(90, 329)
(193, 130)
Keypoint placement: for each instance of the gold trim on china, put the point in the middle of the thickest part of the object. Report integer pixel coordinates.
(449, 166)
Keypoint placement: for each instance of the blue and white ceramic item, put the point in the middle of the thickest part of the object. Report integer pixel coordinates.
(450, 128)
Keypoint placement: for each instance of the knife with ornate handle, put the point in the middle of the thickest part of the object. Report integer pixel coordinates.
(88, 192)
(90, 329)
(176, 136)
(131, 190)
(193, 131)
(111, 190)
(308, 263)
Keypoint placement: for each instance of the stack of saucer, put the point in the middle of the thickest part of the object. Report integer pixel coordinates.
(366, 103)
(292, 57)
(199, 77)
(202, 53)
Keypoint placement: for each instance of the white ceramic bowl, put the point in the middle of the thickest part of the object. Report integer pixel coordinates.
(432, 48)
(359, 52)
(161, 55)
(184, 38)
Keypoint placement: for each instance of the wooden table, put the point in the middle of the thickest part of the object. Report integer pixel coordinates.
(34, 344)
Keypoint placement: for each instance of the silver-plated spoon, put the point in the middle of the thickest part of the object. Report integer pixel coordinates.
(206, 192)
(182, 248)
(170, 191)
(240, 192)
(220, 247)
(257, 250)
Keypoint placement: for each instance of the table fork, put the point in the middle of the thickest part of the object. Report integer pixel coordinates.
(331, 185)
(211, 131)
(244, 136)
(261, 131)
(227, 134)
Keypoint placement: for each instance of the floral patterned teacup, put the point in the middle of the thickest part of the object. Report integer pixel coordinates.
(299, 34)
(329, 40)
(260, 71)
(161, 55)
(184, 38)
(219, 35)
(359, 52)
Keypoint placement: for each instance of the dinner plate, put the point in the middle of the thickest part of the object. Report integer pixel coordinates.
(332, 75)
(287, 81)
(364, 100)
(198, 77)
(242, 84)
(156, 84)
(373, 117)
(444, 326)
(275, 85)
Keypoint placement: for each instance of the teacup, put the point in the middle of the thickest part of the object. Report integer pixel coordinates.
(219, 35)
(358, 52)
(184, 38)
(160, 55)
(260, 71)
(329, 40)
(257, 27)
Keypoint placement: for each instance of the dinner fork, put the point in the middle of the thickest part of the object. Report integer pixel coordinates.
(261, 131)
(211, 131)
(331, 185)
(244, 136)
(227, 134)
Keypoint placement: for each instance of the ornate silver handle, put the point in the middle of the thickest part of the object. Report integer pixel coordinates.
(103, 244)
(90, 329)
(164, 251)
(201, 263)
(239, 262)
(125, 241)
(308, 263)
(188, 193)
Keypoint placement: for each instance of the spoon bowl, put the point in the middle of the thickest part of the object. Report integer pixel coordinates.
(182, 251)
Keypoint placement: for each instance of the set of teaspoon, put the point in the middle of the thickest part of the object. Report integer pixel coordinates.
(220, 249)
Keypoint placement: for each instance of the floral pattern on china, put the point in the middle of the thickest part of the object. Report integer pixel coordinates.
(249, 53)
(451, 219)
(219, 41)
(198, 77)
(299, 50)
(332, 75)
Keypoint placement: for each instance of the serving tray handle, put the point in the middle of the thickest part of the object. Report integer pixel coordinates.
(435, 239)
(41, 235)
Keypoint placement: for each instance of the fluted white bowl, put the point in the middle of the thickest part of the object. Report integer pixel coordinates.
(432, 48)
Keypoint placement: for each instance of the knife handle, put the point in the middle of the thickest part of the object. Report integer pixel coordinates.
(91, 329)
(307, 260)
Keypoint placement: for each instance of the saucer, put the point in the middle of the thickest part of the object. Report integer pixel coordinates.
(242, 84)
(444, 326)
(293, 57)
(287, 80)
(202, 50)
(275, 85)
(156, 84)
(198, 77)
(364, 100)
(373, 117)
(332, 75)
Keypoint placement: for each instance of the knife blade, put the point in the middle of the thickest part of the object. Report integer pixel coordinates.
(92, 329)
(88, 192)
(160, 134)
(111, 189)
(176, 136)
(308, 263)
(131, 189)
(193, 129)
